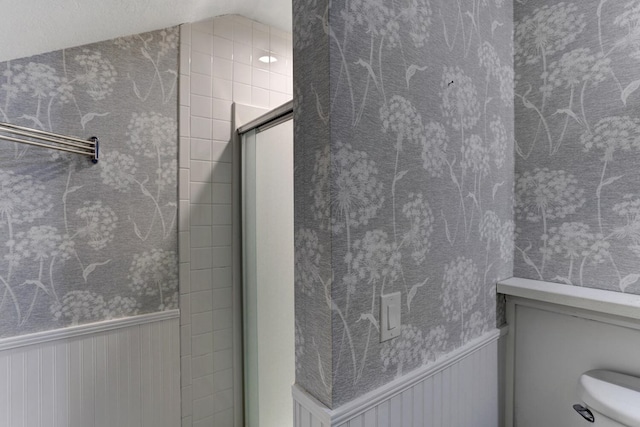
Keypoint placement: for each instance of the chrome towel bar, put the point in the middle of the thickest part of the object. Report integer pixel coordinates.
(54, 141)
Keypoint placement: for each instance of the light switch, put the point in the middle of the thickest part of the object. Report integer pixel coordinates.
(389, 316)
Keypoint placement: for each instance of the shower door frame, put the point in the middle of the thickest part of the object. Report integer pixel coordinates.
(245, 120)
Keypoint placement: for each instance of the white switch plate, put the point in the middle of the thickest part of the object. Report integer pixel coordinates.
(390, 316)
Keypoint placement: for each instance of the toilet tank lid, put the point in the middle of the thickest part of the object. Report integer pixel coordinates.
(612, 394)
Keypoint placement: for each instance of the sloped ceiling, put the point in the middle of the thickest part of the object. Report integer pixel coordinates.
(29, 27)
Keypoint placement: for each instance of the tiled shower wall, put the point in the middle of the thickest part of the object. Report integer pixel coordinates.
(218, 66)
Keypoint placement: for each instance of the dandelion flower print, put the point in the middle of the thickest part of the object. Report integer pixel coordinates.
(474, 327)
(613, 134)
(577, 67)
(547, 194)
(498, 146)
(79, 307)
(304, 23)
(629, 209)
(506, 239)
(97, 74)
(38, 80)
(459, 100)
(417, 14)
(630, 21)
(120, 306)
(434, 149)
(118, 170)
(435, 343)
(9, 87)
(488, 58)
(22, 199)
(571, 240)
(460, 291)
(459, 286)
(418, 213)
(549, 30)
(154, 272)
(152, 134)
(356, 193)
(170, 303)
(125, 42)
(411, 349)
(320, 186)
(506, 77)
(308, 255)
(169, 38)
(375, 16)
(167, 175)
(490, 226)
(38, 243)
(401, 118)
(376, 259)
(494, 230)
(407, 349)
(475, 156)
(100, 223)
(356, 187)
(299, 345)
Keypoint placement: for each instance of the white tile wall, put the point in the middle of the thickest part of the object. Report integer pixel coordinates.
(218, 66)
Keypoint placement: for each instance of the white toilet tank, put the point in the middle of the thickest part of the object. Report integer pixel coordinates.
(610, 398)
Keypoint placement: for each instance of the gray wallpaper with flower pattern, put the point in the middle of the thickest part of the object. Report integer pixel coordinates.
(81, 242)
(404, 182)
(577, 197)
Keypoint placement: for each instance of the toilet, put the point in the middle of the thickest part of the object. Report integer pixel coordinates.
(609, 399)
(572, 356)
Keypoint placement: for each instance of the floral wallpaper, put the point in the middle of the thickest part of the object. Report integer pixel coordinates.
(577, 202)
(80, 242)
(404, 182)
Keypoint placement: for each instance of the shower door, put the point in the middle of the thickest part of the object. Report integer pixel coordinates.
(267, 234)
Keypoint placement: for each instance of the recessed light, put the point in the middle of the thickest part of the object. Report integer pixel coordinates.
(267, 59)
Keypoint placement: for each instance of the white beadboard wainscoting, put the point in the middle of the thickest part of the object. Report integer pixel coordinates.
(123, 373)
(458, 390)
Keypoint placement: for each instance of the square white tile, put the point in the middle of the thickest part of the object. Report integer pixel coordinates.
(260, 78)
(201, 215)
(200, 171)
(260, 38)
(201, 63)
(242, 93)
(223, 27)
(221, 130)
(223, 68)
(222, 89)
(200, 149)
(200, 127)
(242, 73)
(201, 42)
(201, 84)
(242, 53)
(222, 48)
(260, 97)
(221, 109)
(185, 150)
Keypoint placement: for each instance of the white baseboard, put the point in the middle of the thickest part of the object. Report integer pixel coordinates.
(118, 373)
(460, 389)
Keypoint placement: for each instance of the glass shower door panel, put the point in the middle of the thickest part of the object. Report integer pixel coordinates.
(269, 292)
